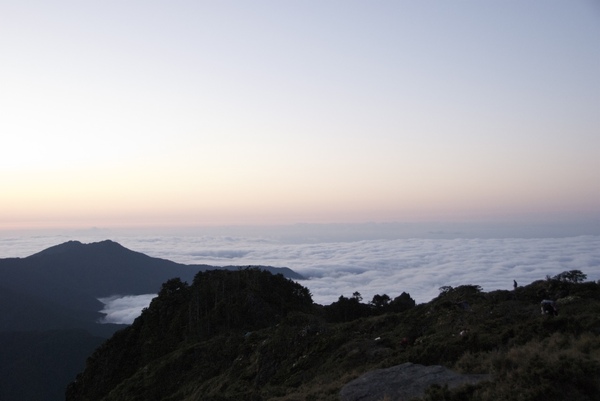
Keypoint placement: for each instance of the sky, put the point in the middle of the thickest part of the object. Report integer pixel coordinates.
(194, 113)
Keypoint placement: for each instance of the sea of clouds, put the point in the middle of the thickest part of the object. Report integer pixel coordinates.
(417, 266)
(340, 265)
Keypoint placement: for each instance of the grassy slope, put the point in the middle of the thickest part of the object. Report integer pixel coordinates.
(305, 357)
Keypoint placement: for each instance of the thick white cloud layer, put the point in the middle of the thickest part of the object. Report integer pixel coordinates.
(418, 266)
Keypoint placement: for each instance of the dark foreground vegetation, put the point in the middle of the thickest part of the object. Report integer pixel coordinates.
(251, 335)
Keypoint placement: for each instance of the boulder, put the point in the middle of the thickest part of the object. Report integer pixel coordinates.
(404, 382)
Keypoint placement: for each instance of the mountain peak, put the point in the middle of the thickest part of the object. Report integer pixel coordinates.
(71, 246)
(107, 244)
(60, 248)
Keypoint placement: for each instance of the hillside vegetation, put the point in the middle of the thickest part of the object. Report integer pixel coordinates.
(252, 335)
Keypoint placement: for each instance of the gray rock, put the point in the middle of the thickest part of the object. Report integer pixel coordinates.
(403, 382)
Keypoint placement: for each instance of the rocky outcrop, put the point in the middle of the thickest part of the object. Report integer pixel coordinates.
(403, 382)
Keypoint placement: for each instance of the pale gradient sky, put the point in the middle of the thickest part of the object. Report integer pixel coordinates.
(128, 113)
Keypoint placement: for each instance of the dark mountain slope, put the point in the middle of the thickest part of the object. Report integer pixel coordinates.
(34, 364)
(23, 312)
(242, 337)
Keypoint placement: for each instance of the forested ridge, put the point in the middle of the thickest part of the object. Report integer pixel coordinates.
(252, 335)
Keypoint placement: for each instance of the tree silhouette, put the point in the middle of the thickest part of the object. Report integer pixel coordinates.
(571, 276)
(380, 301)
